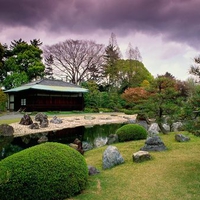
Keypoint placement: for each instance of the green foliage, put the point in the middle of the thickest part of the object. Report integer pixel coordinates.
(130, 132)
(15, 80)
(22, 59)
(46, 171)
(133, 73)
(95, 99)
(3, 99)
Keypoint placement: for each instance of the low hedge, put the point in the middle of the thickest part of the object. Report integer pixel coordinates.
(130, 132)
(47, 171)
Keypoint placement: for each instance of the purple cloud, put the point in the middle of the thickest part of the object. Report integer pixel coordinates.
(176, 20)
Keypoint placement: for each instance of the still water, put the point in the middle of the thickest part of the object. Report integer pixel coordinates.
(92, 137)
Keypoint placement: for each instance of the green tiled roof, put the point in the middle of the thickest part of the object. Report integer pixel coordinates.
(49, 85)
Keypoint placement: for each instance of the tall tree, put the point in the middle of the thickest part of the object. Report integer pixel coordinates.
(133, 54)
(78, 60)
(23, 64)
(36, 42)
(2, 68)
(195, 68)
(112, 55)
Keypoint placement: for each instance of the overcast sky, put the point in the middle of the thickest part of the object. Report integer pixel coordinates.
(167, 32)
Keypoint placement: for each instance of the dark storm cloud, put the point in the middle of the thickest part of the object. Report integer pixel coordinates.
(176, 20)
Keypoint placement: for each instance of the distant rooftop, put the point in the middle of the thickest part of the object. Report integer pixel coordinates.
(49, 85)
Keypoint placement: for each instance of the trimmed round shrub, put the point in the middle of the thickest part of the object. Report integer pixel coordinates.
(46, 171)
(130, 132)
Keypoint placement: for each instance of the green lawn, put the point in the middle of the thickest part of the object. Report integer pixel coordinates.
(172, 174)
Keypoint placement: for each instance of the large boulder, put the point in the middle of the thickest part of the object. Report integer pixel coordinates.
(141, 156)
(154, 144)
(6, 130)
(26, 120)
(43, 119)
(111, 157)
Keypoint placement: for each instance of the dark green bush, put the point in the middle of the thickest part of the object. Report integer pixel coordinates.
(47, 171)
(130, 132)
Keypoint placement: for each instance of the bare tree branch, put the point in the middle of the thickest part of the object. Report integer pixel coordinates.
(79, 60)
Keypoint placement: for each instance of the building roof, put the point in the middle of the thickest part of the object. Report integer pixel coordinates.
(49, 85)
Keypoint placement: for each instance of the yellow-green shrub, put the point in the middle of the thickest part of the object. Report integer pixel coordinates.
(46, 171)
(130, 132)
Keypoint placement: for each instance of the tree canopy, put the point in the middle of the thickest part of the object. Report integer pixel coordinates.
(23, 63)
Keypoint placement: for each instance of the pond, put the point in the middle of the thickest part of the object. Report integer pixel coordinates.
(91, 137)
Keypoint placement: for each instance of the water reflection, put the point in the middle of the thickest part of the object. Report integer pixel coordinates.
(91, 137)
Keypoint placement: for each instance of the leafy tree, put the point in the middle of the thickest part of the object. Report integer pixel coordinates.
(15, 79)
(23, 64)
(92, 97)
(95, 99)
(132, 73)
(3, 70)
(3, 99)
(78, 60)
(162, 99)
(135, 95)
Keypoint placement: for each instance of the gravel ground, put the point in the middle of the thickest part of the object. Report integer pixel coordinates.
(69, 121)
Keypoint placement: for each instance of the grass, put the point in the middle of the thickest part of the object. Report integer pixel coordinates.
(172, 174)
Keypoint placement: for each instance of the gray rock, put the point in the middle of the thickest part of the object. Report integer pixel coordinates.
(111, 157)
(34, 126)
(6, 130)
(43, 119)
(56, 120)
(44, 124)
(87, 146)
(89, 117)
(166, 127)
(154, 144)
(100, 141)
(43, 139)
(141, 156)
(26, 120)
(92, 170)
(153, 130)
(143, 123)
(181, 138)
(177, 126)
(112, 138)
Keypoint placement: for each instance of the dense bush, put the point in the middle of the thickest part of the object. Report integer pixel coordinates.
(46, 171)
(131, 132)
